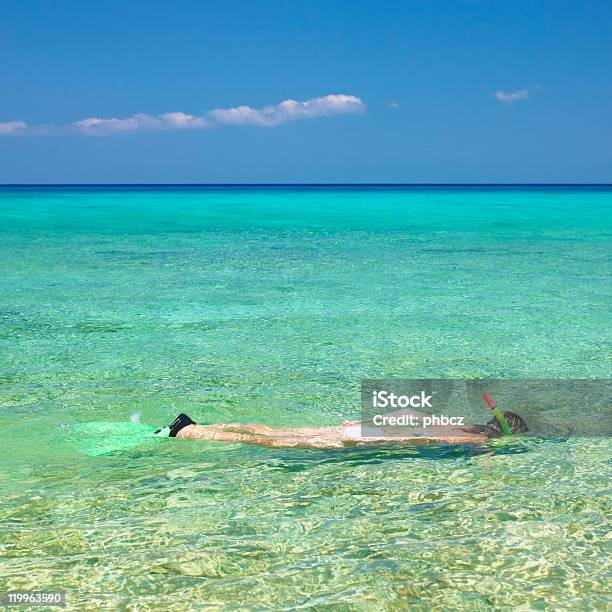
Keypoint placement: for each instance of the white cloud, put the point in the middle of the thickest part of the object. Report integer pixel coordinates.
(289, 110)
(13, 127)
(512, 96)
(139, 121)
(268, 116)
(393, 104)
(183, 121)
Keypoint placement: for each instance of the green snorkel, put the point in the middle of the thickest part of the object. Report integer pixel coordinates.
(499, 415)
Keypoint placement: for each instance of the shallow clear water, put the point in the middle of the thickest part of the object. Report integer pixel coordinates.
(271, 305)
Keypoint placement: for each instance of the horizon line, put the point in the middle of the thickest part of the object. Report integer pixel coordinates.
(313, 184)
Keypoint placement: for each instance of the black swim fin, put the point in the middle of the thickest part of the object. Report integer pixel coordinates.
(182, 420)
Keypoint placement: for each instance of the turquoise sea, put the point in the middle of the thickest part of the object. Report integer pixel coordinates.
(120, 307)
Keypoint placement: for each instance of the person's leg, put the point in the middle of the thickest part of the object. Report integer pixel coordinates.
(245, 428)
(266, 430)
(307, 437)
(224, 432)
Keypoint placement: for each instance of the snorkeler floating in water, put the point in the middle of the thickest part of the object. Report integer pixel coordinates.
(348, 433)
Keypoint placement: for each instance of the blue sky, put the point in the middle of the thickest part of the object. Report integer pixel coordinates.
(444, 91)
